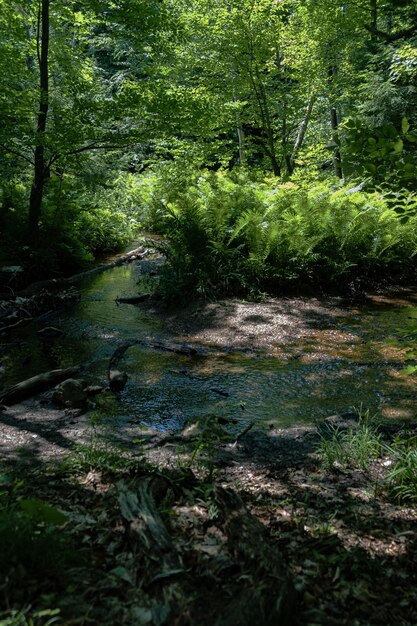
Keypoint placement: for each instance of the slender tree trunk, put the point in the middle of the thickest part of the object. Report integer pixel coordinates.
(301, 134)
(240, 134)
(241, 140)
(334, 122)
(374, 19)
(374, 14)
(41, 170)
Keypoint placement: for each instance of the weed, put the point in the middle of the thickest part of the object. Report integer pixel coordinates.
(99, 455)
(207, 434)
(350, 448)
(402, 477)
(35, 553)
(46, 617)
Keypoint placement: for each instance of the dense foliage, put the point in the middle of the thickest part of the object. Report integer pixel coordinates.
(93, 94)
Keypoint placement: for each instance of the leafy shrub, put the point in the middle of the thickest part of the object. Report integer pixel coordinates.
(38, 554)
(102, 230)
(230, 233)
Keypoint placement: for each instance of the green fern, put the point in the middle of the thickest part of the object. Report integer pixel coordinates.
(230, 234)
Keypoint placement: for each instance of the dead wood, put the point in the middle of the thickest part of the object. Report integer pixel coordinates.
(58, 283)
(117, 378)
(119, 352)
(241, 434)
(267, 596)
(36, 384)
(134, 299)
(166, 347)
(15, 325)
(146, 530)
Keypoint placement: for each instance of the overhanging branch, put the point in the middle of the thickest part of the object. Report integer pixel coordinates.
(87, 148)
(390, 37)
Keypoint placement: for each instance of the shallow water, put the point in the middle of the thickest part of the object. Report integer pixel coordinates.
(353, 361)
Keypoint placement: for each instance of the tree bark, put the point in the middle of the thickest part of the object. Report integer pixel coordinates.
(41, 170)
(374, 17)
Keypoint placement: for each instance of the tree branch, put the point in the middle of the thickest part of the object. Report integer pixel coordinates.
(91, 146)
(16, 153)
(390, 37)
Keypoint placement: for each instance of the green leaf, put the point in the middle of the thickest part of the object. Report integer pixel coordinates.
(409, 370)
(122, 573)
(405, 125)
(129, 503)
(39, 511)
(397, 146)
(371, 167)
(412, 137)
(409, 170)
(6, 480)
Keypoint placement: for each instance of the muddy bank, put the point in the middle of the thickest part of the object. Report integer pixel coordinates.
(273, 323)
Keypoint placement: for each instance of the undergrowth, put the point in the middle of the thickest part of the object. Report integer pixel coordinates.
(350, 448)
(402, 476)
(235, 233)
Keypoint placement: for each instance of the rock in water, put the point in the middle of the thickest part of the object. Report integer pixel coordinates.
(71, 394)
(117, 380)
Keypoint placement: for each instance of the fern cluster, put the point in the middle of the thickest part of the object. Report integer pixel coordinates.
(230, 233)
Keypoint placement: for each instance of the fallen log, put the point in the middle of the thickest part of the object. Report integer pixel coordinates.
(134, 299)
(36, 384)
(185, 350)
(118, 378)
(241, 434)
(58, 283)
(266, 595)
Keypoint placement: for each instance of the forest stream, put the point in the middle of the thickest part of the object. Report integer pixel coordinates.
(283, 362)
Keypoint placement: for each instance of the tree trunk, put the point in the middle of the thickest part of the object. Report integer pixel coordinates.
(41, 170)
(240, 135)
(301, 134)
(334, 121)
(374, 16)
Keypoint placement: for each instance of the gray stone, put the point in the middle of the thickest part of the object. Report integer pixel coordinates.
(70, 394)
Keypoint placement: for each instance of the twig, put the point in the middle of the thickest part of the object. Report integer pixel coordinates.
(241, 434)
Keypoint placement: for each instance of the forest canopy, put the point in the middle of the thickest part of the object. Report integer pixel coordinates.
(265, 132)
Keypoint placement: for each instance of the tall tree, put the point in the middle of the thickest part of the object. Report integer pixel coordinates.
(41, 167)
